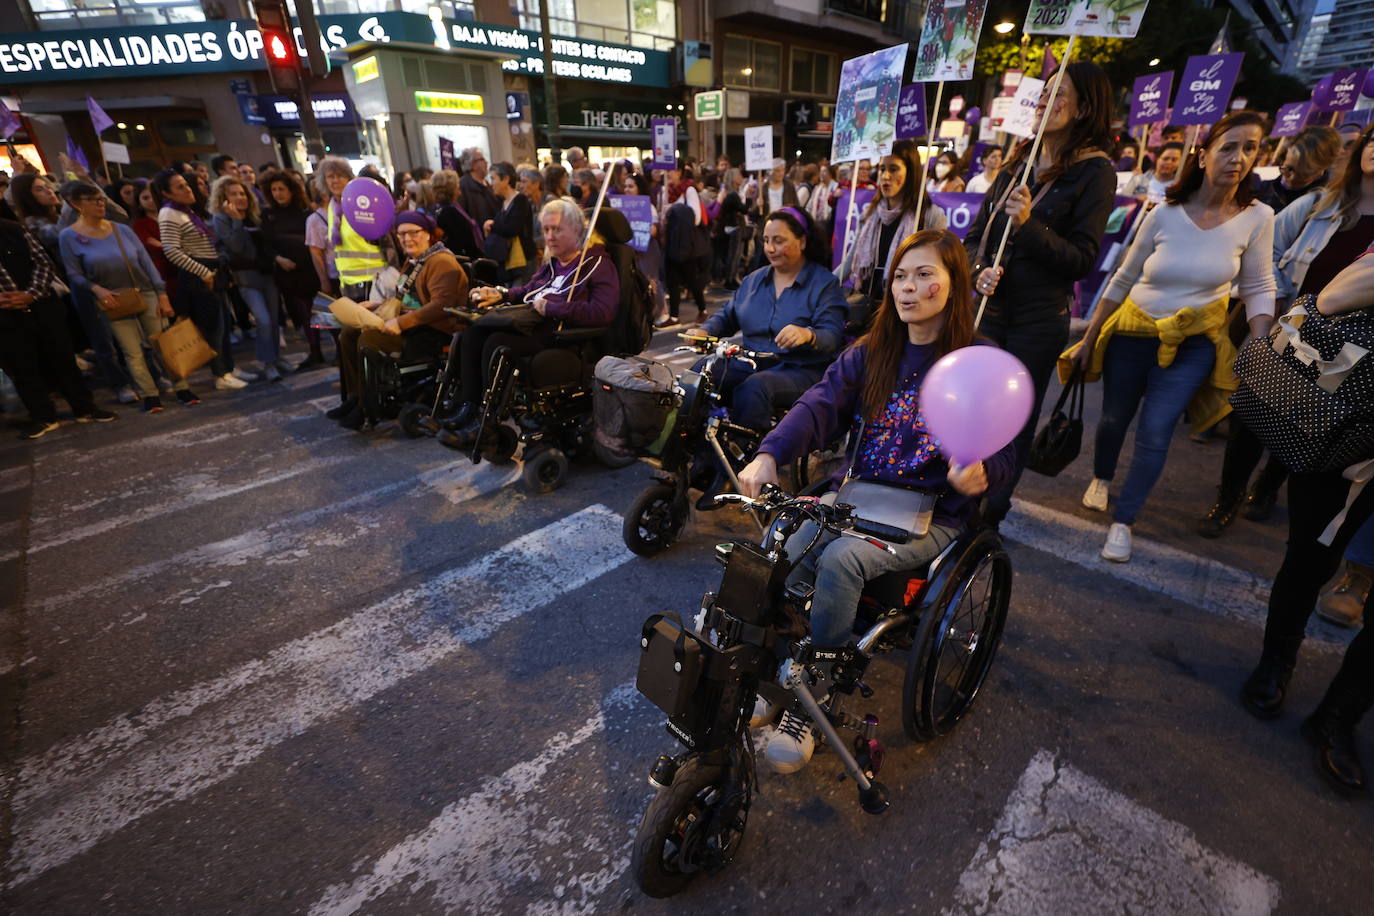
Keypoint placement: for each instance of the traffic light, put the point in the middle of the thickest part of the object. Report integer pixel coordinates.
(278, 45)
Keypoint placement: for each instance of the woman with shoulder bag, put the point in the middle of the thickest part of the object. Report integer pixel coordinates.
(1057, 222)
(510, 232)
(236, 224)
(1159, 337)
(106, 259)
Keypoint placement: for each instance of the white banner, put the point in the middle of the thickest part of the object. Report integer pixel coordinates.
(1021, 121)
(115, 152)
(758, 148)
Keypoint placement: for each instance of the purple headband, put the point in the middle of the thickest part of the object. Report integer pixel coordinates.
(799, 216)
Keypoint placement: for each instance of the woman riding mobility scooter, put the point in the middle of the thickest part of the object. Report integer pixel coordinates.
(896, 556)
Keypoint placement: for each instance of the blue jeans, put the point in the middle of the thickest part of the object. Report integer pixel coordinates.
(1131, 374)
(753, 394)
(100, 336)
(1361, 549)
(259, 292)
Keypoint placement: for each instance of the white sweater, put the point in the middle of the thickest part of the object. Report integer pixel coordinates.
(1173, 264)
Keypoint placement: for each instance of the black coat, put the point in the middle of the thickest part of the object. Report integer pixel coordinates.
(686, 241)
(478, 200)
(515, 221)
(283, 232)
(462, 235)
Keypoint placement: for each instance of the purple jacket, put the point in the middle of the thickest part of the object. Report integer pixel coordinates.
(592, 303)
(896, 448)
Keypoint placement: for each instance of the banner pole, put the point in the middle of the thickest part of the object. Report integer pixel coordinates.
(1030, 163)
(925, 166)
(591, 228)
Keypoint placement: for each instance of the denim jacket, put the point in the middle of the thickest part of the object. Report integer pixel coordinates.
(1299, 236)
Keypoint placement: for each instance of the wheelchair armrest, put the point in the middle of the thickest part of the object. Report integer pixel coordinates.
(574, 335)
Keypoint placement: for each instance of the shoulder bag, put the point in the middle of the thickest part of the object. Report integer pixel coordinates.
(1058, 442)
(129, 300)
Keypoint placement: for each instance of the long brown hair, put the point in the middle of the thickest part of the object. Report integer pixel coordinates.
(1190, 175)
(909, 151)
(886, 338)
(1342, 196)
(1090, 130)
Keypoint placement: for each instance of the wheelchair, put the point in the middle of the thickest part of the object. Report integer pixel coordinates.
(705, 447)
(749, 640)
(547, 397)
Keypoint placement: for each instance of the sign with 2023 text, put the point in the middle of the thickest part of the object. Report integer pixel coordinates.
(1101, 18)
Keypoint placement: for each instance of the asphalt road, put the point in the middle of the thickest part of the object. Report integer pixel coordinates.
(254, 663)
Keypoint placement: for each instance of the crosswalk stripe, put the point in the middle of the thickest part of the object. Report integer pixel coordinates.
(1065, 843)
(185, 742)
(483, 844)
(286, 539)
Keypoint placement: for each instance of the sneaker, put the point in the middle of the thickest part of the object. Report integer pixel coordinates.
(97, 416)
(1118, 546)
(791, 744)
(152, 405)
(228, 382)
(1343, 603)
(764, 713)
(272, 374)
(187, 397)
(247, 375)
(311, 362)
(38, 430)
(127, 395)
(1095, 498)
(284, 366)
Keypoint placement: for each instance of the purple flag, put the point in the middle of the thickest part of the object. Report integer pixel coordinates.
(1149, 97)
(841, 217)
(1204, 90)
(911, 111)
(1290, 119)
(960, 209)
(1340, 90)
(9, 122)
(76, 154)
(99, 119)
(1048, 64)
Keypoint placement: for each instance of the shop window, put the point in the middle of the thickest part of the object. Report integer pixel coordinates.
(67, 14)
(613, 15)
(450, 74)
(186, 132)
(410, 73)
(813, 72)
(752, 64)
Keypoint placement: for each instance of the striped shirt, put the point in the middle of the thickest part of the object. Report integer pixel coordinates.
(183, 243)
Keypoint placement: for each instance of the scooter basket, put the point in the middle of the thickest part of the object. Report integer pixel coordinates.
(635, 402)
(671, 663)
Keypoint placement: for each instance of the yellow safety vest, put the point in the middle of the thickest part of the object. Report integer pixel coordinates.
(355, 258)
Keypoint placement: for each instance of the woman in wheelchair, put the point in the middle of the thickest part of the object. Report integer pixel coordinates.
(571, 289)
(431, 281)
(873, 389)
(793, 307)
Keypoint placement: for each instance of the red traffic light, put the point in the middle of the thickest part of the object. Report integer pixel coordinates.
(278, 47)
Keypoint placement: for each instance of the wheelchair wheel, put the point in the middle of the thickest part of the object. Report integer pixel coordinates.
(654, 520)
(502, 448)
(413, 421)
(545, 469)
(955, 643)
(609, 458)
(675, 841)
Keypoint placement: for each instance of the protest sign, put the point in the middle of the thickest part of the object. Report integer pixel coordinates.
(911, 111)
(1020, 122)
(1290, 119)
(1002, 107)
(1108, 18)
(842, 220)
(446, 156)
(114, 152)
(1205, 88)
(758, 148)
(1050, 17)
(639, 211)
(664, 143)
(960, 209)
(949, 40)
(1149, 97)
(866, 109)
(1339, 91)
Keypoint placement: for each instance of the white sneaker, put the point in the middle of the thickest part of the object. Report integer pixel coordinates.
(247, 375)
(1095, 498)
(229, 381)
(1118, 546)
(764, 713)
(126, 395)
(791, 744)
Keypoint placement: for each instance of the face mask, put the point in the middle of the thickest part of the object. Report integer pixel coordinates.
(941, 170)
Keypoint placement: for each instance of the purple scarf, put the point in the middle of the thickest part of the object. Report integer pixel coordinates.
(194, 216)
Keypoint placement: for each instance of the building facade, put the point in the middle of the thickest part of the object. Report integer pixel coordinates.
(1349, 40)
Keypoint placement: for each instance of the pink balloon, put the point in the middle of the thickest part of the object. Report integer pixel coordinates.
(975, 400)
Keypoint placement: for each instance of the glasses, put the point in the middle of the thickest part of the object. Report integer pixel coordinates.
(410, 233)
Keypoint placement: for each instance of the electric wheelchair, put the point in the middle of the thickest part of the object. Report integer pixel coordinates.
(749, 640)
(547, 397)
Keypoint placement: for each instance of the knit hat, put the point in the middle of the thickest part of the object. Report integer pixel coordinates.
(416, 218)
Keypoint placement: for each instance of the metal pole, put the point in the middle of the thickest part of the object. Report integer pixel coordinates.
(724, 126)
(550, 86)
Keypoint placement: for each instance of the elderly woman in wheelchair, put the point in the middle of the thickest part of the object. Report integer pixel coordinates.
(576, 288)
(896, 476)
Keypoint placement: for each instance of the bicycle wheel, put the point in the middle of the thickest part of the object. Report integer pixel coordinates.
(677, 836)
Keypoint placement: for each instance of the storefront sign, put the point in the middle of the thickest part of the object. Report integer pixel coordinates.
(448, 102)
(614, 116)
(329, 108)
(639, 211)
(365, 70)
(709, 106)
(221, 46)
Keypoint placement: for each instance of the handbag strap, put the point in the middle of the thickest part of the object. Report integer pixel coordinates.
(114, 228)
(1002, 202)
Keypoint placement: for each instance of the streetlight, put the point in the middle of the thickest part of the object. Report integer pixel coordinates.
(747, 71)
(1004, 28)
(1154, 63)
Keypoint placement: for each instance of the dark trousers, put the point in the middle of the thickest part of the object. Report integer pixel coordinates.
(691, 274)
(206, 308)
(739, 242)
(299, 304)
(36, 353)
(754, 394)
(96, 327)
(1243, 452)
(478, 345)
(1313, 501)
(416, 345)
(1036, 336)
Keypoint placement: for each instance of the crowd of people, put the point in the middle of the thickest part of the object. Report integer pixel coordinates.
(855, 319)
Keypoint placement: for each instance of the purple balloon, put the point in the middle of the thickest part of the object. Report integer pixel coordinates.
(975, 400)
(368, 207)
(973, 115)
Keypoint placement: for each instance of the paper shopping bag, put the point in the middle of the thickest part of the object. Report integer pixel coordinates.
(182, 348)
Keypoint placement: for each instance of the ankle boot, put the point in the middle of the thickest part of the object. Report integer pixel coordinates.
(1267, 685)
(1259, 505)
(1331, 729)
(1221, 514)
(1343, 603)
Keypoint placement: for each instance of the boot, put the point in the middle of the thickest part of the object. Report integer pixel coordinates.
(1259, 505)
(1343, 603)
(346, 407)
(1220, 515)
(1331, 729)
(1267, 685)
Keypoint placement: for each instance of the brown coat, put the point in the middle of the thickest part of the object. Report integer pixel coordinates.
(441, 284)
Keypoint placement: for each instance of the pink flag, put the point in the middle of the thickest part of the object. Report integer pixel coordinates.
(99, 119)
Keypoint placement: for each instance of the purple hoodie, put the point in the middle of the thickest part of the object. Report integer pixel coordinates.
(593, 302)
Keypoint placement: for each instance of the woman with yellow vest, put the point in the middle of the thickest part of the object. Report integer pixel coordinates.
(1158, 339)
